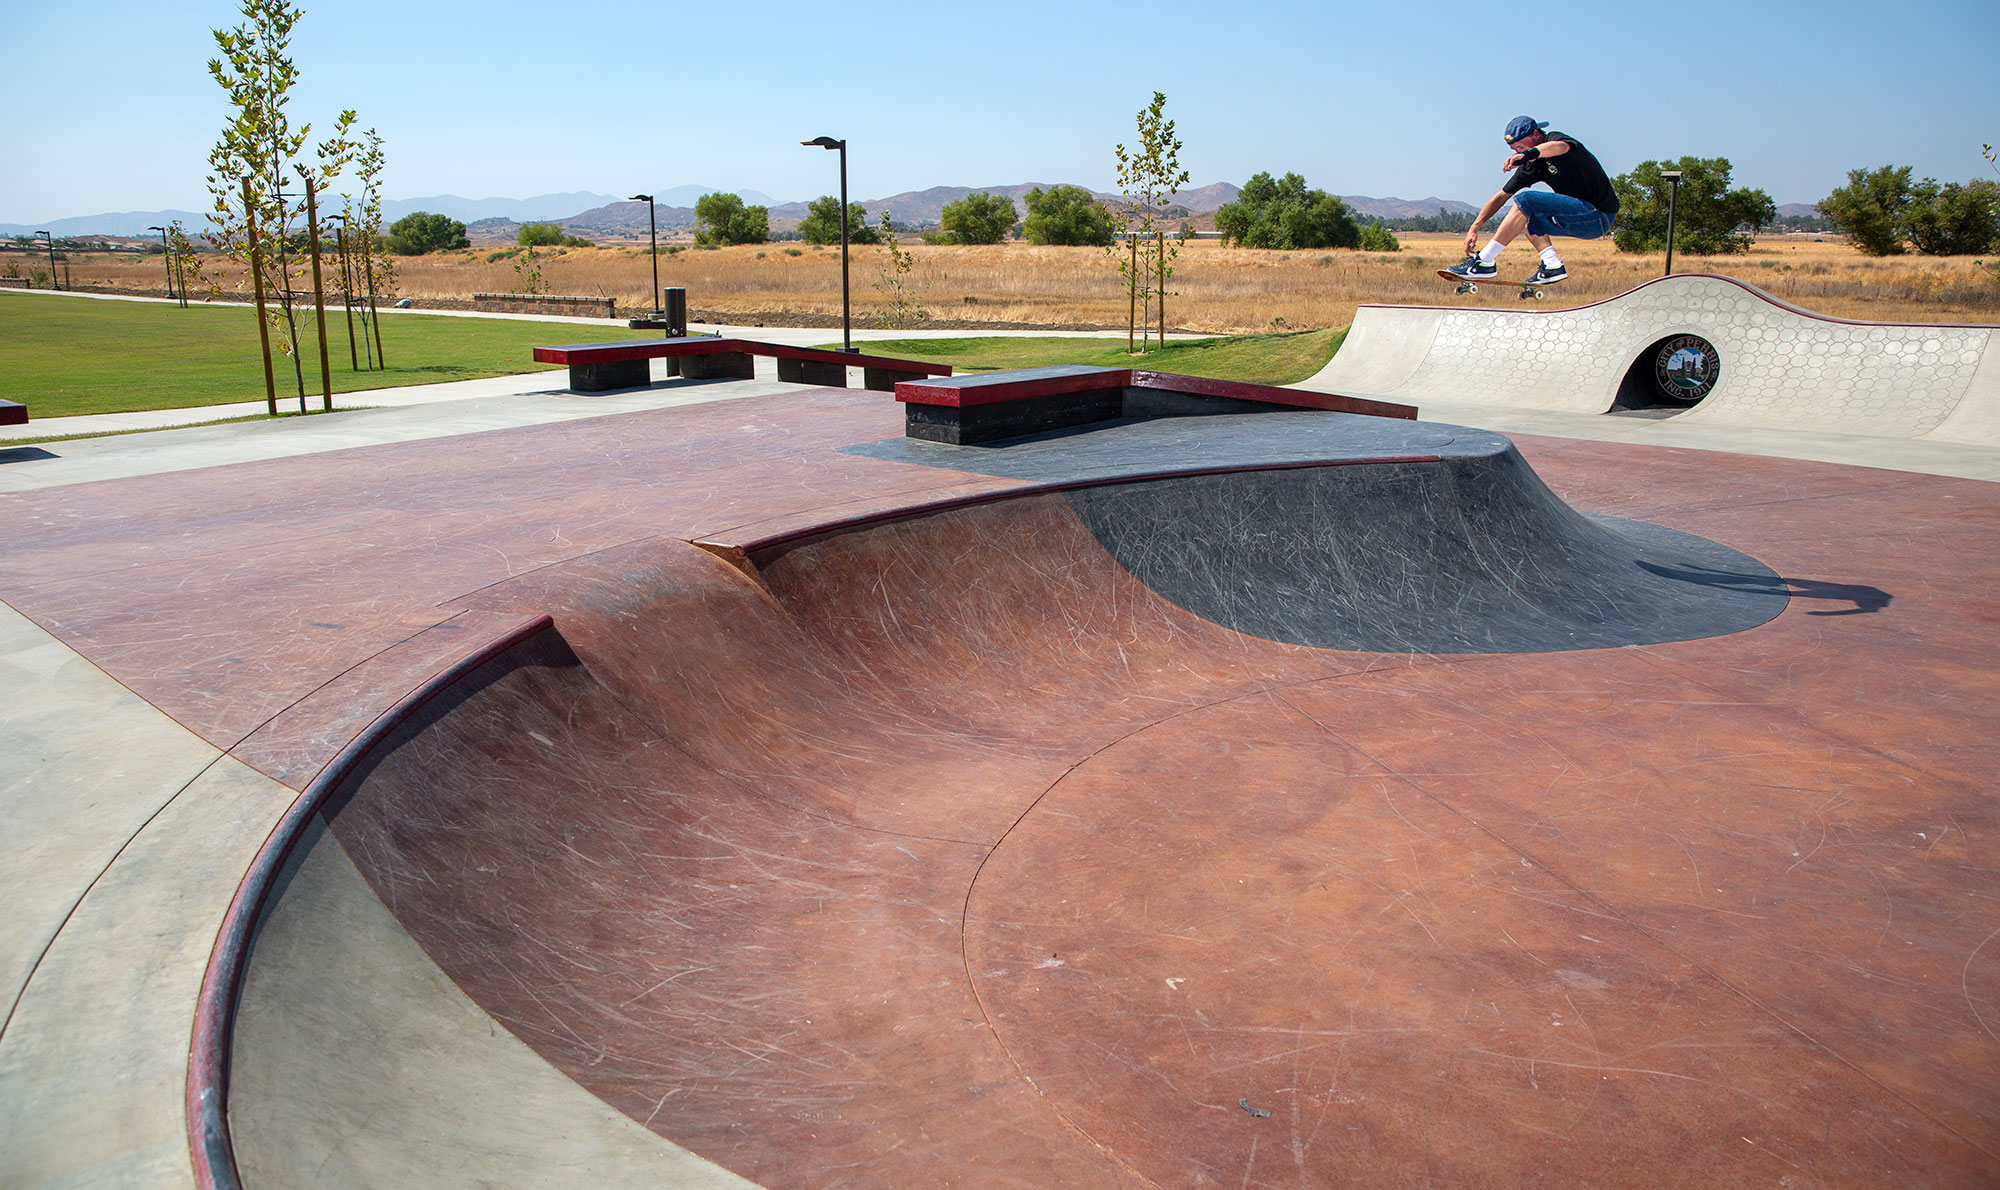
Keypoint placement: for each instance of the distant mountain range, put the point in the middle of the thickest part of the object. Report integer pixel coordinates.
(585, 212)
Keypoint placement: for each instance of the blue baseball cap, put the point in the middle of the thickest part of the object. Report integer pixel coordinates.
(1521, 126)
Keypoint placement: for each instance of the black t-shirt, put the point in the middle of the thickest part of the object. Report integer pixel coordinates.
(1575, 173)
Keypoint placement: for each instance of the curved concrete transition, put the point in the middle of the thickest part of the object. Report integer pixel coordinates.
(957, 839)
(1781, 366)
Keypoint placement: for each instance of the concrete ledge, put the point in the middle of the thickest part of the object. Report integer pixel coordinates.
(545, 303)
(966, 410)
(796, 365)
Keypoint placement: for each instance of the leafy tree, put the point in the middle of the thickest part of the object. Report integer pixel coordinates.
(1148, 176)
(1872, 209)
(539, 235)
(1283, 213)
(1953, 220)
(422, 232)
(822, 223)
(1068, 215)
(1709, 217)
(979, 218)
(722, 219)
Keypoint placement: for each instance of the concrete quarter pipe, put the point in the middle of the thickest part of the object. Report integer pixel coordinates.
(1780, 366)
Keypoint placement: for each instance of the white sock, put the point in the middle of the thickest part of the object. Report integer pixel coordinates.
(1550, 259)
(1491, 252)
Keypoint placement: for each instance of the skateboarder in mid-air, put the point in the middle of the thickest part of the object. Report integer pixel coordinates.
(1583, 204)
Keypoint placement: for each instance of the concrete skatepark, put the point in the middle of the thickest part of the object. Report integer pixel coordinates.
(707, 786)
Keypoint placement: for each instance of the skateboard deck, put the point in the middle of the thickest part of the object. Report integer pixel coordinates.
(1528, 289)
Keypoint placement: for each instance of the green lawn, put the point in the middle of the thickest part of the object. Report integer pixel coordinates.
(1259, 359)
(65, 356)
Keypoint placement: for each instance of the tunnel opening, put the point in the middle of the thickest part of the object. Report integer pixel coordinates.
(1672, 375)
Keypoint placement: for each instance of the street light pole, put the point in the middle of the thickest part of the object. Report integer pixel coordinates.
(846, 317)
(1673, 177)
(653, 234)
(52, 258)
(169, 250)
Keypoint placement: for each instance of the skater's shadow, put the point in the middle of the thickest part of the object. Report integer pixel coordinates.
(1866, 600)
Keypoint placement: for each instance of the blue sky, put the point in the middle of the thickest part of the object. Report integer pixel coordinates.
(110, 107)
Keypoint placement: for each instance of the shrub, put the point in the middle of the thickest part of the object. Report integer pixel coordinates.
(723, 219)
(1871, 209)
(822, 222)
(1377, 238)
(539, 235)
(1710, 219)
(979, 218)
(1283, 213)
(1067, 215)
(421, 232)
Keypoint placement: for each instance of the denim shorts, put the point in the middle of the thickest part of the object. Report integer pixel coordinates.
(1551, 214)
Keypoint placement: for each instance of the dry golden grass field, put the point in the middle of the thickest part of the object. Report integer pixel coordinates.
(1216, 289)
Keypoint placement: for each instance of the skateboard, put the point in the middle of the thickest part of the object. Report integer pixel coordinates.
(1528, 289)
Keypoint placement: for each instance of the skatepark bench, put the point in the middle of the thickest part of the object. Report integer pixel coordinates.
(965, 410)
(13, 413)
(597, 367)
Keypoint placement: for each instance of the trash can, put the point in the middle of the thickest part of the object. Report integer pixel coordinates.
(674, 300)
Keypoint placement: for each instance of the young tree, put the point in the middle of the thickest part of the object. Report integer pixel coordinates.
(1068, 215)
(539, 235)
(1282, 213)
(822, 222)
(1148, 176)
(187, 265)
(721, 219)
(979, 218)
(259, 155)
(422, 232)
(905, 308)
(1954, 220)
(1872, 209)
(1710, 219)
(371, 265)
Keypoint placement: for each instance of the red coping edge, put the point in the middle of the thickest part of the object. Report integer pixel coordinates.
(222, 984)
(593, 353)
(922, 392)
(13, 413)
(1755, 292)
(748, 549)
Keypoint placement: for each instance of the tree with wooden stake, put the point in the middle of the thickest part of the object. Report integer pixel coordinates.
(187, 266)
(365, 222)
(259, 154)
(1148, 176)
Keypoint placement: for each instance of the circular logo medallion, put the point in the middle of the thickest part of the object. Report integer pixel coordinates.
(1686, 368)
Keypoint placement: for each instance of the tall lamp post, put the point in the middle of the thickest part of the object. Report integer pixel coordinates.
(52, 258)
(653, 234)
(1673, 177)
(846, 320)
(169, 249)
